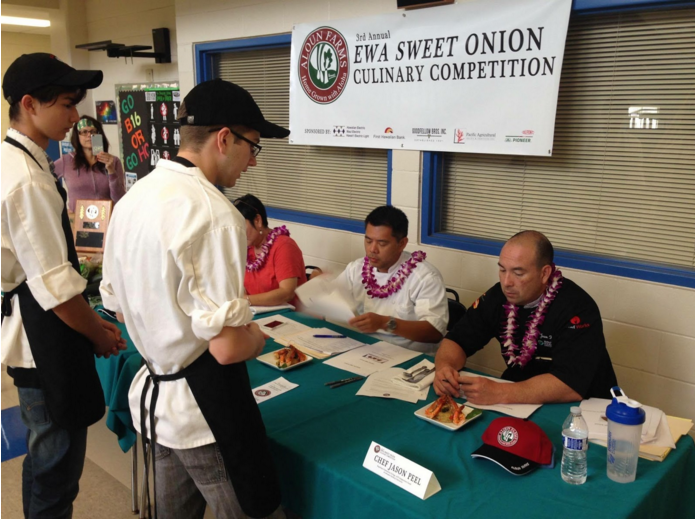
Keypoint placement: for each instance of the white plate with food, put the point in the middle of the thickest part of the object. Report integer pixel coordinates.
(446, 413)
(285, 359)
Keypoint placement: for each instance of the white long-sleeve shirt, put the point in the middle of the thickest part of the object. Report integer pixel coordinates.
(174, 266)
(421, 298)
(33, 242)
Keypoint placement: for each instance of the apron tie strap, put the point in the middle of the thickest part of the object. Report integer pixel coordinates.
(148, 441)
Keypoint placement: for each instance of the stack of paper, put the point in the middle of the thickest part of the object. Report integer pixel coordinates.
(313, 344)
(280, 327)
(372, 358)
(659, 435)
(265, 309)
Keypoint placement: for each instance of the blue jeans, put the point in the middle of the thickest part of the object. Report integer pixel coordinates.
(188, 479)
(54, 461)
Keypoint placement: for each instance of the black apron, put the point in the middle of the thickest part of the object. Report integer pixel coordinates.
(64, 358)
(223, 394)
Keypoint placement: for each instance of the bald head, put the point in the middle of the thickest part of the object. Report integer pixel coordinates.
(538, 241)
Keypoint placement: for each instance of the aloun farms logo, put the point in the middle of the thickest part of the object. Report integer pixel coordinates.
(323, 65)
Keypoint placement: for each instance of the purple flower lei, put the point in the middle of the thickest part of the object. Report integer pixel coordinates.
(394, 284)
(529, 341)
(265, 248)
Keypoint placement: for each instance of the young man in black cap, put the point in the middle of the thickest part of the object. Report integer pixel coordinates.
(49, 332)
(174, 268)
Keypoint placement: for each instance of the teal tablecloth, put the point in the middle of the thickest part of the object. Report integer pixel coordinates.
(319, 438)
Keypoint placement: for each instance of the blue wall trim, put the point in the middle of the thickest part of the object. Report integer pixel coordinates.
(313, 219)
(204, 54)
(599, 6)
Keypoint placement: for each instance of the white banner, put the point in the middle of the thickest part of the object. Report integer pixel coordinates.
(480, 76)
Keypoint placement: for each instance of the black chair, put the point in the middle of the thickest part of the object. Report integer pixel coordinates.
(457, 310)
(312, 270)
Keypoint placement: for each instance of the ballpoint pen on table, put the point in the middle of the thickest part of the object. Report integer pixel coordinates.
(341, 382)
(328, 336)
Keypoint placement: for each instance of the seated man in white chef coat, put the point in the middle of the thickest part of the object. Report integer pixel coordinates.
(400, 298)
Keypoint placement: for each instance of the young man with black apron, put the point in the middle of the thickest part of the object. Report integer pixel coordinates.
(49, 333)
(174, 269)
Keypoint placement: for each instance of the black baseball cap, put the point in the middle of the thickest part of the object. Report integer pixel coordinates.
(40, 69)
(219, 102)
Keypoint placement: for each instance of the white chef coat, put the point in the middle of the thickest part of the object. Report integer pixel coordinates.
(33, 242)
(174, 266)
(421, 298)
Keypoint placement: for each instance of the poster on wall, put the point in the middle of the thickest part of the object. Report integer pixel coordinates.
(106, 112)
(478, 77)
(149, 129)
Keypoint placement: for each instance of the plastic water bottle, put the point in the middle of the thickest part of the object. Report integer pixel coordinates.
(574, 462)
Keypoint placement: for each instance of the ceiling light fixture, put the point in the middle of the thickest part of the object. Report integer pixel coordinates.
(29, 22)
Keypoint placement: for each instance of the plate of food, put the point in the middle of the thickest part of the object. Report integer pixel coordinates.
(285, 358)
(448, 414)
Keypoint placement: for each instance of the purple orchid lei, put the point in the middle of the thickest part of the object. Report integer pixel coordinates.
(529, 341)
(394, 284)
(265, 248)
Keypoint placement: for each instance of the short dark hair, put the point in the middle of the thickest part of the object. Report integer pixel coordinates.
(80, 159)
(389, 216)
(544, 249)
(47, 95)
(250, 206)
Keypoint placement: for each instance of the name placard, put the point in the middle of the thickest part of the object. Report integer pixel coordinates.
(398, 470)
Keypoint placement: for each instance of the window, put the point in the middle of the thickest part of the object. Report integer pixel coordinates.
(619, 188)
(310, 182)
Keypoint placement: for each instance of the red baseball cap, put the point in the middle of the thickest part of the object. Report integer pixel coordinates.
(517, 445)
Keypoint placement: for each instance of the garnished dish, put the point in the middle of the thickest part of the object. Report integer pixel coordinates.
(285, 358)
(288, 356)
(447, 413)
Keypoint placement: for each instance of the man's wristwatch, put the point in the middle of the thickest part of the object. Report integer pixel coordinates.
(391, 324)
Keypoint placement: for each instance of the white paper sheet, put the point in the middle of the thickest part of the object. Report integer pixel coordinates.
(320, 296)
(372, 358)
(521, 411)
(326, 345)
(655, 431)
(265, 309)
(381, 384)
(287, 329)
(272, 389)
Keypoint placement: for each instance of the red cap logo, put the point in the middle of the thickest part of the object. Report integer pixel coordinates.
(575, 320)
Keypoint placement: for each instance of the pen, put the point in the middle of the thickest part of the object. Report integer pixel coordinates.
(336, 384)
(342, 381)
(329, 336)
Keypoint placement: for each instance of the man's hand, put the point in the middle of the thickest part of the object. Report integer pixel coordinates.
(111, 342)
(481, 390)
(369, 322)
(446, 381)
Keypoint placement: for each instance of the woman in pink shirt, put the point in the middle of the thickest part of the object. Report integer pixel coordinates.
(275, 267)
(90, 177)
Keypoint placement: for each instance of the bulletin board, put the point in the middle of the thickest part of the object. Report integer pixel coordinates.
(148, 127)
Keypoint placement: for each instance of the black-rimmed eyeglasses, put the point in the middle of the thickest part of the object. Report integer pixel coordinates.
(255, 147)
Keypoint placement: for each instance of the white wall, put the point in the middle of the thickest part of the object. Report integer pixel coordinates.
(649, 327)
(14, 44)
(129, 22)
